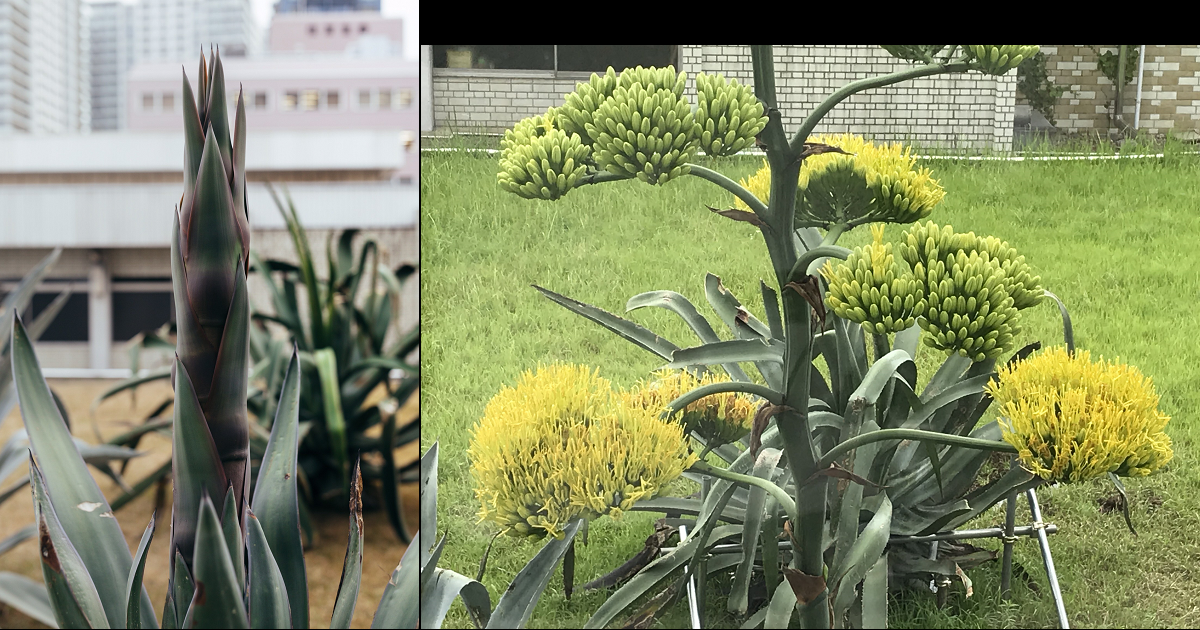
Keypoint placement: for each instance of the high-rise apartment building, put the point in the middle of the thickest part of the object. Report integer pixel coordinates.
(111, 27)
(44, 66)
(176, 30)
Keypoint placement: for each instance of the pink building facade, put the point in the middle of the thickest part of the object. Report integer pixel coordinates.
(335, 32)
(293, 93)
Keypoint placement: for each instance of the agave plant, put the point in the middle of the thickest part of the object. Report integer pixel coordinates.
(904, 461)
(237, 565)
(349, 343)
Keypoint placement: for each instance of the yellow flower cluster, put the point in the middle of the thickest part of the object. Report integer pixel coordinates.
(874, 182)
(719, 419)
(562, 445)
(1072, 419)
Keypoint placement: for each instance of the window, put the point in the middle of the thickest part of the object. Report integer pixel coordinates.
(312, 30)
(289, 100)
(71, 323)
(364, 99)
(329, 29)
(362, 28)
(577, 58)
(147, 101)
(138, 311)
(331, 99)
(311, 99)
(406, 140)
(260, 100)
(404, 98)
(385, 99)
(345, 29)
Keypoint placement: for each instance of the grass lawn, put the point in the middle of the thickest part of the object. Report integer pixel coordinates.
(1118, 241)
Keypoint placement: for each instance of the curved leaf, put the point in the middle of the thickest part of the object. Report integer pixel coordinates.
(401, 601)
(335, 424)
(27, 596)
(231, 529)
(275, 497)
(764, 468)
(428, 494)
(680, 305)
(133, 605)
(879, 375)
(217, 602)
(733, 351)
(641, 337)
(268, 598)
(73, 595)
(517, 604)
(439, 594)
(863, 555)
(195, 464)
(69, 484)
(21, 535)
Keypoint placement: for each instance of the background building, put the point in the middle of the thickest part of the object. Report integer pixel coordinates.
(177, 30)
(355, 33)
(300, 6)
(111, 32)
(44, 63)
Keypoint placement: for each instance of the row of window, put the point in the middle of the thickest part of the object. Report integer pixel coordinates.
(133, 312)
(576, 58)
(299, 100)
(329, 29)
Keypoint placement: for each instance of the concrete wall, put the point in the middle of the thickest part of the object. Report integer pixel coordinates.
(966, 110)
(1170, 91)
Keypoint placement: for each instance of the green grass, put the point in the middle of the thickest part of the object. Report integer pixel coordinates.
(1118, 241)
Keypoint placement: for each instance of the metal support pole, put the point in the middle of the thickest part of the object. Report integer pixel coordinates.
(693, 608)
(1009, 539)
(1047, 559)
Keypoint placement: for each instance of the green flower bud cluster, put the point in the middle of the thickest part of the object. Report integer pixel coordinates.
(924, 54)
(539, 160)
(729, 114)
(871, 289)
(969, 310)
(581, 104)
(928, 242)
(645, 130)
(997, 60)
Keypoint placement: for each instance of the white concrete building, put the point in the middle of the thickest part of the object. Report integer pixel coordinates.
(175, 30)
(111, 27)
(107, 199)
(44, 64)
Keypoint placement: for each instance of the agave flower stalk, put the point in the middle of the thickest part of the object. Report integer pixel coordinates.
(210, 244)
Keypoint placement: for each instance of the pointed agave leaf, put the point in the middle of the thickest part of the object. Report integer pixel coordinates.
(238, 181)
(23, 534)
(733, 351)
(193, 140)
(27, 596)
(16, 301)
(335, 424)
(516, 605)
(191, 344)
(196, 465)
(212, 245)
(72, 592)
(401, 601)
(225, 408)
(97, 537)
(218, 114)
(347, 595)
(182, 589)
(764, 468)
(863, 555)
(391, 491)
(875, 595)
(217, 602)
(232, 530)
(428, 494)
(275, 497)
(680, 305)
(778, 613)
(133, 586)
(308, 274)
(269, 606)
(639, 336)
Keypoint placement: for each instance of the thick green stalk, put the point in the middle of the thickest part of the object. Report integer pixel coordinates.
(737, 189)
(793, 421)
(868, 83)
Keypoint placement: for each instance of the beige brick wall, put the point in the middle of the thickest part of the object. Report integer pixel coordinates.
(962, 111)
(1170, 95)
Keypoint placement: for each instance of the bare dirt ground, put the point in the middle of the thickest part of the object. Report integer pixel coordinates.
(382, 550)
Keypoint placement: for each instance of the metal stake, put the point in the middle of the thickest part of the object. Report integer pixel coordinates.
(1009, 539)
(693, 609)
(1049, 561)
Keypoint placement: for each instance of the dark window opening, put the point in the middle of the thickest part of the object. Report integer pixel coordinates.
(135, 312)
(71, 323)
(497, 57)
(593, 58)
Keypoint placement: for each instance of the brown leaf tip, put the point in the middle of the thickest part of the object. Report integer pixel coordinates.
(49, 556)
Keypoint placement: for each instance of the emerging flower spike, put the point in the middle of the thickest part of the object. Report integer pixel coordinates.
(562, 445)
(1073, 419)
(831, 184)
(870, 288)
(719, 419)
